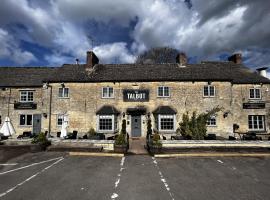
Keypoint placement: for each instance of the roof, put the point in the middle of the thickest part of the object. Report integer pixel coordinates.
(25, 76)
(205, 71)
(164, 110)
(107, 110)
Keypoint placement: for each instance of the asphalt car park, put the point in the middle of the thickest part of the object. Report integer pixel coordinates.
(50, 175)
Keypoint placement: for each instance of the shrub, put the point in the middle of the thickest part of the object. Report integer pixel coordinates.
(41, 139)
(156, 140)
(91, 132)
(120, 139)
(195, 127)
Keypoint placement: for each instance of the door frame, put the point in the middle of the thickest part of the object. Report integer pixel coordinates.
(131, 125)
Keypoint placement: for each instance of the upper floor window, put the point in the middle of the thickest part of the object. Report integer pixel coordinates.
(26, 120)
(163, 91)
(209, 91)
(107, 92)
(212, 121)
(63, 92)
(256, 122)
(26, 96)
(255, 93)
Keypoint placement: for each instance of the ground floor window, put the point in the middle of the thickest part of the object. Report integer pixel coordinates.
(166, 122)
(106, 123)
(26, 120)
(60, 119)
(212, 121)
(256, 122)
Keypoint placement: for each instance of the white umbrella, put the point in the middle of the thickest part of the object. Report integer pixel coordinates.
(7, 128)
(64, 127)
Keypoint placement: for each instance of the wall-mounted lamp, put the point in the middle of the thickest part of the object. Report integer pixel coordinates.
(148, 115)
(124, 114)
(44, 115)
(209, 82)
(225, 114)
(62, 85)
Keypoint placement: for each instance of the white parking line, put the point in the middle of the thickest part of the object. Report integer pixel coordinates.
(31, 177)
(115, 195)
(162, 179)
(8, 164)
(30, 165)
(219, 161)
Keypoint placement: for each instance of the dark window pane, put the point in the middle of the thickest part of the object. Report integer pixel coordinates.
(22, 119)
(29, 120)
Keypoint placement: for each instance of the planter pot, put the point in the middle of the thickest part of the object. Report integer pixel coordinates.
(120, 148)
(155, 149)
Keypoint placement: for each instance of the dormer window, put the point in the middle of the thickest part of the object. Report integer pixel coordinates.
(26, 96)
(255, 93)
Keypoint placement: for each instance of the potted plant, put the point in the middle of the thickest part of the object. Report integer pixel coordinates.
(41, 140)
(155, 144)
(92, 134)
(121, 143)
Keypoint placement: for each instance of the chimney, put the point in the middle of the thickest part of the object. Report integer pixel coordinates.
(236, 58)
(262, 71)
(91, 59)
(181, 58)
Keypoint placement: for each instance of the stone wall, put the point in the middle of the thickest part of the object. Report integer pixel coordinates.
(86, 98)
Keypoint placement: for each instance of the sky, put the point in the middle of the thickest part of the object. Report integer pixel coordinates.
(54, 32)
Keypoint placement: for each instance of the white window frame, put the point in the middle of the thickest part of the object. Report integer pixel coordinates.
(166, 116)
(26, 96)
(25, 120)
(112, 117)
(62, 116)
(63, 93)
(208, 91)
(254, 93)
(108, 93)
(209, 124)
(257, 122)
(163, 89)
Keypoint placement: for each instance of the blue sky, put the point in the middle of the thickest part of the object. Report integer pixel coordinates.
(54, 32)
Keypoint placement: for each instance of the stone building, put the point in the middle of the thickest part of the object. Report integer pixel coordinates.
(99, 96)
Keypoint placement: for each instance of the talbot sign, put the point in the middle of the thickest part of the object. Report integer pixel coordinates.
(135, 95)
(253, 105)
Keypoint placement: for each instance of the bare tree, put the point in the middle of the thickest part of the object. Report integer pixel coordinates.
(158, 55)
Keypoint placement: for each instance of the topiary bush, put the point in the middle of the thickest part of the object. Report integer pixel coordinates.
(120, 139)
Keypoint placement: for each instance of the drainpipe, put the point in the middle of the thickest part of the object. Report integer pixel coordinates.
(50, 110)
(9, 100)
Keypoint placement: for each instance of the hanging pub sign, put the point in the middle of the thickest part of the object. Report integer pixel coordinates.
(25, 105)
(253, 105)
(135, 95)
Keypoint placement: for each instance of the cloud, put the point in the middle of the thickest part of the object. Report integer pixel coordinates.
(10, 50)
(114, 53)
(203, 30)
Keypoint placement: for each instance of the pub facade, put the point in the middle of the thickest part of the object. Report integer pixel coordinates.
(100, 96)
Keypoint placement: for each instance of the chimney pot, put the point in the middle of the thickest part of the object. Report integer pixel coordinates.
(91, 59)
(236, 58)
(181, 58)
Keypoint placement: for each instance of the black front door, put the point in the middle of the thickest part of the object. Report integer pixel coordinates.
(136, 126)
(36, 124)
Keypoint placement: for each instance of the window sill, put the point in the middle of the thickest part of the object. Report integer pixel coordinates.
(209, 96)
(214, 126)
(63, 97)
(25, 126)
(107, 97)
(163, 96)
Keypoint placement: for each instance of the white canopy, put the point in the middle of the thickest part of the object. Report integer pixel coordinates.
(7, 128)
(64, 127)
